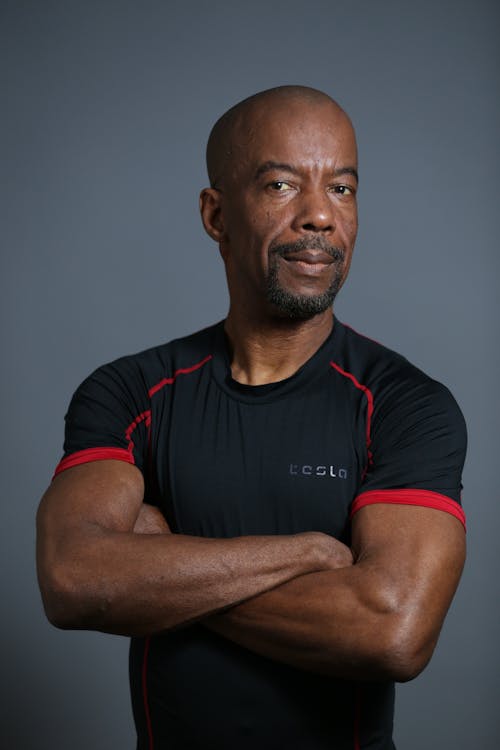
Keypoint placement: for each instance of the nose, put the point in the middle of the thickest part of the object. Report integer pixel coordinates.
(315, 212)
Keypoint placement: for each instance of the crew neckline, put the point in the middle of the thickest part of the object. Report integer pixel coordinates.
(260, 394)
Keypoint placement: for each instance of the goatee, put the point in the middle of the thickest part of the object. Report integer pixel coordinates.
(303, 306)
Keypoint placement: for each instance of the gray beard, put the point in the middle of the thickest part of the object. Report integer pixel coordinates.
(302, 306)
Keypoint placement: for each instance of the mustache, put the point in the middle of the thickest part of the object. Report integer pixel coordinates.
(311, 242)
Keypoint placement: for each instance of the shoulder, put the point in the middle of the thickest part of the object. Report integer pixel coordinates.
(141, 372)
(400, 394)
(368, 360)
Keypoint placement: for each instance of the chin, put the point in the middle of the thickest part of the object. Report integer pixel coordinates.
(300, 306)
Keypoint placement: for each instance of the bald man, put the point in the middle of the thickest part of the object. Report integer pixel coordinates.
(270, 507)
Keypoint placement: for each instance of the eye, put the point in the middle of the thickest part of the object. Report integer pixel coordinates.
(343, 190)
(279, 186)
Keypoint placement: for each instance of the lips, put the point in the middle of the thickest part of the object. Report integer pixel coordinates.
(311, 257)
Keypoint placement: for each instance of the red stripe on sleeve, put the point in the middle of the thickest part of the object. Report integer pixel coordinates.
(424, 498)
(93, 454)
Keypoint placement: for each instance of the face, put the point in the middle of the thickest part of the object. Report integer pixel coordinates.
(287, 216)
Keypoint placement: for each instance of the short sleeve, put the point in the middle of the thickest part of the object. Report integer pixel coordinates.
(109, 417)
(417, 448)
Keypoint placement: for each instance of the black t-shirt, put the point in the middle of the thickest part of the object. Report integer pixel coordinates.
(357, 424)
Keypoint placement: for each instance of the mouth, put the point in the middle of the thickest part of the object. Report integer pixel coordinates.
(308, 262)
(309, 257)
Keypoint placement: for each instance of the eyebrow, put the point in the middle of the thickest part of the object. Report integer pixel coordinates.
(268, 166)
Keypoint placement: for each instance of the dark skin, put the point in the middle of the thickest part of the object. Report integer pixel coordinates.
(106, 561)
(255, 207)
(368, 620)
(96, 573)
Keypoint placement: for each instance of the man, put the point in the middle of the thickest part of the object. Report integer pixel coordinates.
(306, 537)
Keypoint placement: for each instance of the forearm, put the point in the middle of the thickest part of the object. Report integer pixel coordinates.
(377, 619)
(137, 584)
(318, 622)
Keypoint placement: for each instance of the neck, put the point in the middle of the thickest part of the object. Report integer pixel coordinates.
(268, 350)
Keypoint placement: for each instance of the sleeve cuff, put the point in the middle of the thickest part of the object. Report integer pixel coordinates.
(424, 498)
(94, 454)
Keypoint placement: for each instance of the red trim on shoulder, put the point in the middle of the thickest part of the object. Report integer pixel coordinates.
(369, 405)
(144, 417)
(181, 371)
(93, 454)
(145, 692)
(425, 498)
(124, 454)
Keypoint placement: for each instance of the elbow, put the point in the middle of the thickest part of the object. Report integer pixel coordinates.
(388, 649)
(59, 616)
(403, 665)
(406, 650)
(401, 634)
(58, 612)
(63, 601)
(59, 607)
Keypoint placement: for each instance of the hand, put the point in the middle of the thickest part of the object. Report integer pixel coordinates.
(150, 521)
(332, 554)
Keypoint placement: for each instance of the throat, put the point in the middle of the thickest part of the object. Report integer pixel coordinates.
(260, 356)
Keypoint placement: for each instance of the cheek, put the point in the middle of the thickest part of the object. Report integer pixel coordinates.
(248, 225)
(261, 228)
(262, 219)
(349, 224)
(255, 224)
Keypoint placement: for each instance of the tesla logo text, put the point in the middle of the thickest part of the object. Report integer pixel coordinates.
(308, 470)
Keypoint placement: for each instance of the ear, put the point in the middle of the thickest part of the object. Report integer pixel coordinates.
(211, 213)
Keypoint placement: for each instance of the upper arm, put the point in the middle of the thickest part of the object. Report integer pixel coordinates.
(411, 558)
(99, 479)
(100, 494)
(91, 499)
(408, 508)
(408, 526)
(99, 485)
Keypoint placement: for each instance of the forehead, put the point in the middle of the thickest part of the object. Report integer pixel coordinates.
(299, 133)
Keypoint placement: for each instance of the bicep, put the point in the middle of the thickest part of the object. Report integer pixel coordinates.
(413, 557)
(407, 520)
(91, 498)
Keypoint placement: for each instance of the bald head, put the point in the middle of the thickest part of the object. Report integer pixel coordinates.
(238, 125)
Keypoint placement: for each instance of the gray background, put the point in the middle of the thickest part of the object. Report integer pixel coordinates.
(105, 112)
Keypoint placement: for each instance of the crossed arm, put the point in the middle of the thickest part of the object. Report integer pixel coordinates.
(108, 562)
